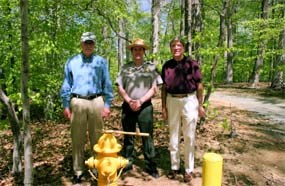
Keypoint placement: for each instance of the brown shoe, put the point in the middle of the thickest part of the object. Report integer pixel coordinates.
(188, 177)
(173, 174)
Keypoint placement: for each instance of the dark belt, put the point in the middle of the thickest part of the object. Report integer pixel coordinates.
(181, 95)
(86, 97)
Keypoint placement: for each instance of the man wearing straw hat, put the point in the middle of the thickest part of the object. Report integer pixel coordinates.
(137, 84)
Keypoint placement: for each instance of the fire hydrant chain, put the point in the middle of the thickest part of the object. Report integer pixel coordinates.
(92, 175)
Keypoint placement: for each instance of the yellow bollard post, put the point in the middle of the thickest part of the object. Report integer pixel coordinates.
(212, 169)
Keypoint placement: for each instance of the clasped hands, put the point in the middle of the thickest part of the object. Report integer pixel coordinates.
(135, 104)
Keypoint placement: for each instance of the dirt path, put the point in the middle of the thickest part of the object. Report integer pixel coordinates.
(270, 107)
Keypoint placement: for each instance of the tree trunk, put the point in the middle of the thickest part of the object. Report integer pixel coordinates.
(28, 179)
(169, 24)
(16, 130)
(254, 80)
(188, 27)
(51, 58)
(127, 40)
(197, 25)
(120, 45)
(219, 45)
(155, 12)
(105, 37)
(278, 78)
(182, 23)
(230, 55)
(9, 107)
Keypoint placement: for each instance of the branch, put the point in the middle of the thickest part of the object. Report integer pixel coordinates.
(110, 23)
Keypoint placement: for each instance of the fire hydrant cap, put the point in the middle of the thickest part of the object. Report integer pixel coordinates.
(107, 144)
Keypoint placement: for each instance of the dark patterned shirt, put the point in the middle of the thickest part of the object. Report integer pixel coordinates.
(181, 77)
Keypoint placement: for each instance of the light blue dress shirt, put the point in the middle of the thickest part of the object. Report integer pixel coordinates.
(86, 76)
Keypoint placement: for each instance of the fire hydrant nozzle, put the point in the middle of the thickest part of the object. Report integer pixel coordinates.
(107, 162)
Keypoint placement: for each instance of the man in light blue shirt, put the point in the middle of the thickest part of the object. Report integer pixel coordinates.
(86, 95)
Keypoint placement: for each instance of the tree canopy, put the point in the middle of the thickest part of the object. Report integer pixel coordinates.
(55, 28)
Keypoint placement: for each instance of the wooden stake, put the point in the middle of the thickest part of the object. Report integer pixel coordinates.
(126, 133)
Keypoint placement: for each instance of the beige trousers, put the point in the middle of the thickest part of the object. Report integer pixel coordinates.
(182, 115)
(86, 117)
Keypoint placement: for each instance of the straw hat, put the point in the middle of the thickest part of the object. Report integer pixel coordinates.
(137, 42)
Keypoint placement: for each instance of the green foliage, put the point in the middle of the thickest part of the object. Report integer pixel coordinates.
(225, 125)
(55, 28)
(4, 124)
(212, 114)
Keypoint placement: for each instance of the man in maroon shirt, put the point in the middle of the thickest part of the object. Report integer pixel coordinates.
(182, 99)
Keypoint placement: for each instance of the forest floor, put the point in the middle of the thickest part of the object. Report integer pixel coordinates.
(255, 156)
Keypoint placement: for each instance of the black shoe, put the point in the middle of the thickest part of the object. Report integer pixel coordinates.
(188, 177)
(153, 173)
(173, 174)
(127, 168)
(77, 179)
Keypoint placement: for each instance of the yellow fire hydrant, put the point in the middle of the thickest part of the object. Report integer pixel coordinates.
(107, 161)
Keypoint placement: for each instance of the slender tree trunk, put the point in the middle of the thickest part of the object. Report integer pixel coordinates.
(197, 25)
(261, 48)
(28, 179)
(127, 53)
(188, 27)
(219, 45)
(182, 23)
(278, 80)
(105, 36)
(51, 66)
(9, 107)
(155, 11)
(278, 77)
(16, 130)
(120, 45)
(12, 59)
(230, 55)
(169, 24)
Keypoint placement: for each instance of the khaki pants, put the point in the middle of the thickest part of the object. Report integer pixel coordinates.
(182, 114)
(86, 116)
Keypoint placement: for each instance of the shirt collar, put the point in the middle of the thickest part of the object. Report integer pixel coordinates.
(183, 59)
(87, 59)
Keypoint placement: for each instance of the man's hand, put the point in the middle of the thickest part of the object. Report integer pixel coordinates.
(67, 113)
(164, 113)
(106, 112)
(135, 105)
(201, 111)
